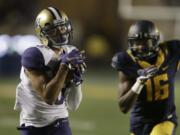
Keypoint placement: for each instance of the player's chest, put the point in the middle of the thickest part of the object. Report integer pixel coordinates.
(160, 86)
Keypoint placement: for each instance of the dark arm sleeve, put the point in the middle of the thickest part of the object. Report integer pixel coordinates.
(32, 58)
(174, 46)
(116, 61)
(121, 62)
(177, 47)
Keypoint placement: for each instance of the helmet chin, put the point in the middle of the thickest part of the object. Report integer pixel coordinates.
(148, 56)
(62, 40)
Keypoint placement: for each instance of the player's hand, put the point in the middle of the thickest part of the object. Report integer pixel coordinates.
(145, 74)
(77, 77)
(81, 68)
(73, 60)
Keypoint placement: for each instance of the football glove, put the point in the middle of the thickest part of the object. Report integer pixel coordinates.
(145, 74)
(77, 77)
(73, 60)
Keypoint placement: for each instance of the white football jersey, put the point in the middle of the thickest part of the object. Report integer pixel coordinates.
(34, 111)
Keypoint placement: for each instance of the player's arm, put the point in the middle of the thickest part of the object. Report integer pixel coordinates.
(74, 93)
(126, 96)
(173, 46)
(128, 91)
(74, 97)
(48, 89)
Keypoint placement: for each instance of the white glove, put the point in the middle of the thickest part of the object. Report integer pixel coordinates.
(145, 74)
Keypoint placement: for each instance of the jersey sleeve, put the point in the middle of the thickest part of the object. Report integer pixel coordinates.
(174, 47)
(121, 62)
(32, 58)
(116, 61)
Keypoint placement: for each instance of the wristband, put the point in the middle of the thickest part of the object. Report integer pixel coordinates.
(137, 87)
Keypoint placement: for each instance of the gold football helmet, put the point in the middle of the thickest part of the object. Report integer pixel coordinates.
(53, 27)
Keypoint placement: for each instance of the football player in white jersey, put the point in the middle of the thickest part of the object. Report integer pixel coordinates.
(51, 77)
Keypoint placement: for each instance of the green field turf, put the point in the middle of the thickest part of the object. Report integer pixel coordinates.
(97, 115)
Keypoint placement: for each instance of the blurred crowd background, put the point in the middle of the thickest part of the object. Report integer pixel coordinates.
(100, 26)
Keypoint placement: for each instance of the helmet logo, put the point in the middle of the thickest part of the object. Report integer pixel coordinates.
(37, 22)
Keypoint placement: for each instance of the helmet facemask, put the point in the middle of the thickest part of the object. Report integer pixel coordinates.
(59, 33)
(143, 38)
(53, 27)
(143, 49)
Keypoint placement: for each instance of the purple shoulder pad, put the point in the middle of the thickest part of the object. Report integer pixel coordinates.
(32, 58)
